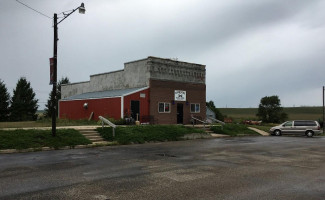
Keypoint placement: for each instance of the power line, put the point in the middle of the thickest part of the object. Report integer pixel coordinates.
(34, 9)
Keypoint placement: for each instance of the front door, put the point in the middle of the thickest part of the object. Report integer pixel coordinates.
(179, 113)
(135, 109)
(287, 127)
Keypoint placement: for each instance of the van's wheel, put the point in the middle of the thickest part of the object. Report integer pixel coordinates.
(309, 133)
(277, 133)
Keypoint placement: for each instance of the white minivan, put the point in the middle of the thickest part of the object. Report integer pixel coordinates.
(306, 127)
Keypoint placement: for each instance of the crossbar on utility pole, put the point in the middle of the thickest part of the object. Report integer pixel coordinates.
(55, 50)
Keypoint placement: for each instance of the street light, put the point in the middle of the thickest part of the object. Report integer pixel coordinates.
(82, 10)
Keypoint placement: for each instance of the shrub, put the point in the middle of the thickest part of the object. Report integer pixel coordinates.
(233, 130)
(141, 134)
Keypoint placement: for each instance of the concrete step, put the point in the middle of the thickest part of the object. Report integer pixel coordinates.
(86, 129)
(90, 130)
(94, 137)
(96, 140)
(90, 134)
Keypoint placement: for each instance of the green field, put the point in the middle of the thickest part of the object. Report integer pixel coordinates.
(294, 113)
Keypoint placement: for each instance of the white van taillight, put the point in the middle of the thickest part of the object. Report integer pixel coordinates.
(318, 127)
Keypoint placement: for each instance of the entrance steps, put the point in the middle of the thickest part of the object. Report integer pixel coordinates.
(207, 130)
(92, 135)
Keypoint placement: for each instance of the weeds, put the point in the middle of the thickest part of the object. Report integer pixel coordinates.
(142, 134)
(233, 130)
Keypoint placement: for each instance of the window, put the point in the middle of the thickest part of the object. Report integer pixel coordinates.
(164, 107)
(305, 123)
(195, 107)
(288, 124)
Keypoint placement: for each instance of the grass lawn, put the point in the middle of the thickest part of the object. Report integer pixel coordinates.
(47, 123)
(233, 130)
(294, 113)
(141, 134)
(23, 139)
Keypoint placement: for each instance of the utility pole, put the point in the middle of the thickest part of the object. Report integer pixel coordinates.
(55, 51)
(323, 110)
(82, 10)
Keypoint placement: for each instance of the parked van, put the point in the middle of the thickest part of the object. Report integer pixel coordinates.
(306, 127)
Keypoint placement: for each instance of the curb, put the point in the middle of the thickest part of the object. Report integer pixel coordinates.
(9, 151)
(215, 135)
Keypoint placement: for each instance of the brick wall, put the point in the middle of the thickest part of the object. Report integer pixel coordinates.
(163, 91)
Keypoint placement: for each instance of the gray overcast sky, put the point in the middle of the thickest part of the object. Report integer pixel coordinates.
(251, 48)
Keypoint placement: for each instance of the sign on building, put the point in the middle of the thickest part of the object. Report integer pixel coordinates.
(180, 95)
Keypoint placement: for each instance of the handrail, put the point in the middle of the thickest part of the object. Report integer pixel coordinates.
(213, 119)
(193, 118)
(104, 120)
(199, 120)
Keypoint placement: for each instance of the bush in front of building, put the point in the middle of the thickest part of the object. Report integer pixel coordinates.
(233, 130)
(142, 134)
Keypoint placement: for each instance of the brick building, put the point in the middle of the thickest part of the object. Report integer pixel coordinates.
(157, 90)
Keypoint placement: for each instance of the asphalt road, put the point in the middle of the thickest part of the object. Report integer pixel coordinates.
(225, 168)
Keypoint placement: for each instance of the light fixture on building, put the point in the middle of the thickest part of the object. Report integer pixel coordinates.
(85, 105)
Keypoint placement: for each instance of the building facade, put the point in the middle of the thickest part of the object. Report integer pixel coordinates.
(152, 90)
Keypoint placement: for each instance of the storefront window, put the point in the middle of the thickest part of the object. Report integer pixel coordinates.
(195, 107)
(164, 107)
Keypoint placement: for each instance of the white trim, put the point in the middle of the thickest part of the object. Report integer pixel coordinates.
(122, 107)
(139, 90)
(164, 107)
(90, 98)
(194, 108)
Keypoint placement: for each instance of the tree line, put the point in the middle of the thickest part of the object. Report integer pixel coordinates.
(269, 110)
(23, 105)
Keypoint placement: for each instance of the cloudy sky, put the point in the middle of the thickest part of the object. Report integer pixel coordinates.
(251, 48)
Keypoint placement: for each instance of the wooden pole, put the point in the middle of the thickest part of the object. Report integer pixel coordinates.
(323, 110)
(55, 49)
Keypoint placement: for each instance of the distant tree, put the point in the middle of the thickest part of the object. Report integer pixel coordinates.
(23, 103)
(48, 106)
(219, 115)
(4, 102)
(270, 110)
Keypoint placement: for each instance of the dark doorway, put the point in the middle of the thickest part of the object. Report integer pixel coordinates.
(179, 113)
(135, 109)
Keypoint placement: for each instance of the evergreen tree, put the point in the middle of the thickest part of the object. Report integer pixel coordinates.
(270, 110)
(4, 102)
(48, 107)
(23, 102)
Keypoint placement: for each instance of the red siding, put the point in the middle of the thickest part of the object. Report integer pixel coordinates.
(109, 107)
(144, 104)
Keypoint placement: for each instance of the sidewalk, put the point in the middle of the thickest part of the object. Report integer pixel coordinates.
(259, 131)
